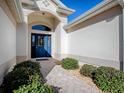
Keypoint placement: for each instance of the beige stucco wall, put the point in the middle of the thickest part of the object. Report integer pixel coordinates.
(7, 41)
(35, 18)
(97, 37)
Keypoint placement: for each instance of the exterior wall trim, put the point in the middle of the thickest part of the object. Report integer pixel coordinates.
(105, 5)
(90, 60)
(4, 6)
(18, 8)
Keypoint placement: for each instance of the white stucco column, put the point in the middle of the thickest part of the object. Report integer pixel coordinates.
(22, 41)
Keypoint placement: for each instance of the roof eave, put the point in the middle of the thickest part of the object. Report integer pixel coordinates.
(92, 12)
(65, 11)
(61, 6)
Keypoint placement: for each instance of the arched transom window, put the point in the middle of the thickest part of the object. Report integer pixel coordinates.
(41, 28)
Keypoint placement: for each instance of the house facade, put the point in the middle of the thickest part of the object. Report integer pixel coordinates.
(32, 29)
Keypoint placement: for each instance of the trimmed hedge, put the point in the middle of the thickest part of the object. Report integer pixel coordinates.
(109, 79)
(25, 78)
(21, 74)
(34, 67)
(17, 78)
(34, 87)
(88, 70)
(28, 64)
(70, 63)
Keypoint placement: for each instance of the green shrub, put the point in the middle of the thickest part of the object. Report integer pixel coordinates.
(88, 70)
(33, 66)
(16, 78)
(34, 87)
(29, 64)
(22, 74)
(109, 79)
(70, 63)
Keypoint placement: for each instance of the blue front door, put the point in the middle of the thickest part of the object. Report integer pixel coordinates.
(41, 45)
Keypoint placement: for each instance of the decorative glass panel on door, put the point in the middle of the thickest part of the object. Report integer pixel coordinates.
(33, 40)
(40, 41)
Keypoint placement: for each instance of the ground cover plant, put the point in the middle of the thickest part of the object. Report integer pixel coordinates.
(108, 79)
(88, 70)
(70, 63)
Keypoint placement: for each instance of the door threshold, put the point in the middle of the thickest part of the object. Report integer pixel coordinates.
(42, 58)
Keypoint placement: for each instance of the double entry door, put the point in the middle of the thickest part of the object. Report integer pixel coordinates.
(40, 45)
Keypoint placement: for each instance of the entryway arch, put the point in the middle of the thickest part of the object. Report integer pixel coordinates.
(41, 38)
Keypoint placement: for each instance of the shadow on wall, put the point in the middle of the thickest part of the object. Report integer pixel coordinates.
(107, 16)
